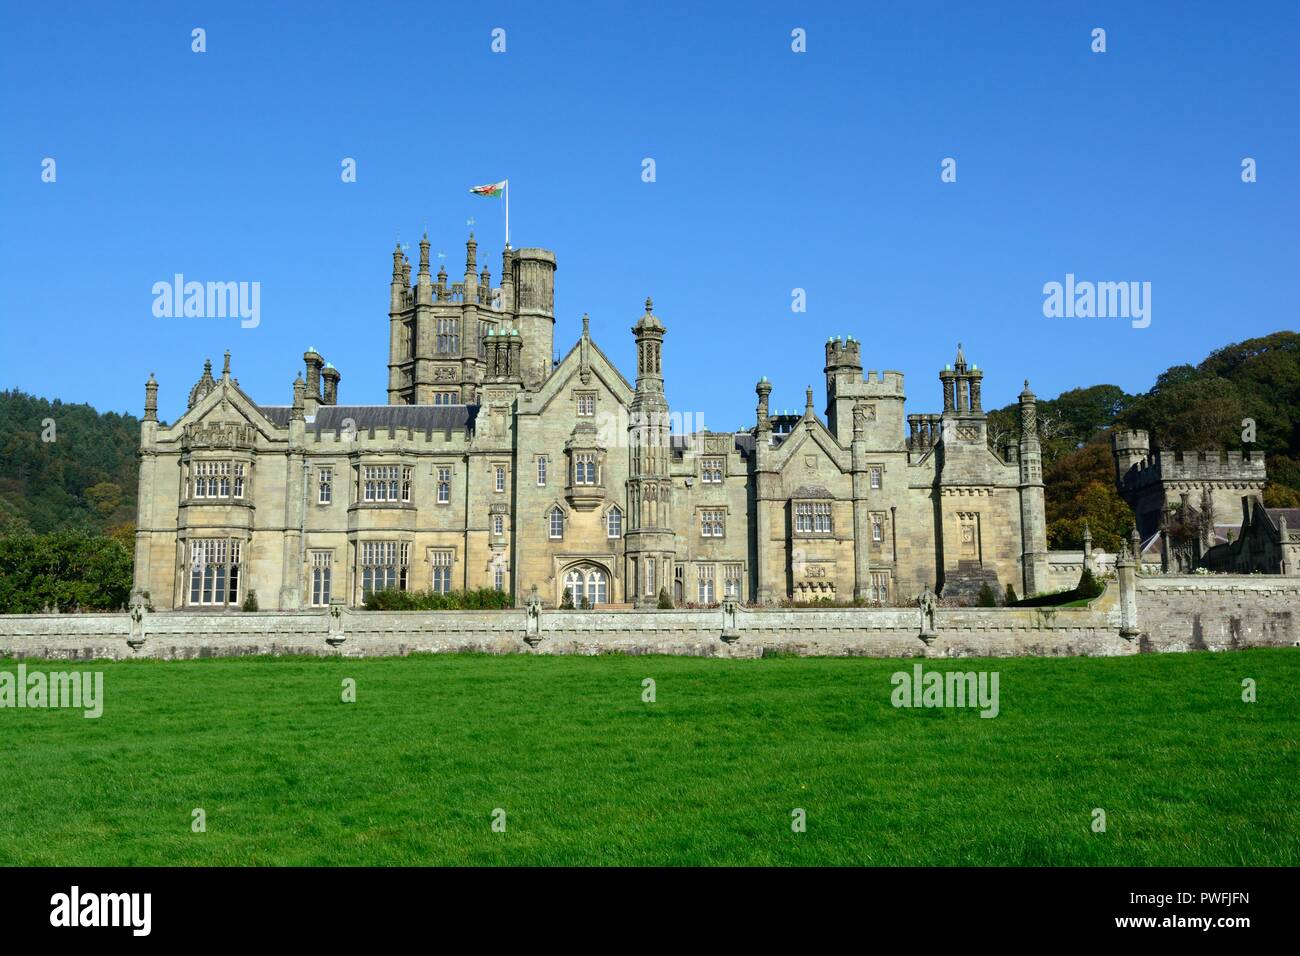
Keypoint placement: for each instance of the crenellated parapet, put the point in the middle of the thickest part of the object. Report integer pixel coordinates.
(1158, 483)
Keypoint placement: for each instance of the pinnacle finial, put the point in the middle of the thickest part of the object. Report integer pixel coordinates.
(649, 305)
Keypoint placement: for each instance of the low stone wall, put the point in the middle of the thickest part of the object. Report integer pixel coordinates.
(1174, 614)
(1218, 611)
(1065, 567)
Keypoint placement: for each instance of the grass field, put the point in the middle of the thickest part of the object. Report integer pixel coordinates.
(709, 773)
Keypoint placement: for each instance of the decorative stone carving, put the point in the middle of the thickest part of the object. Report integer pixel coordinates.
(730, 633)
(335, 637)
(533, 620)
(220, 435)
(927, 602)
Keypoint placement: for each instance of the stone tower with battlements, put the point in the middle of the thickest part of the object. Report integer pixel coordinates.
(437, 329)
(1155, 483)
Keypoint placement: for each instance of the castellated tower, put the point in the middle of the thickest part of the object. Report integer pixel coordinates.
(1132, 447)
(843, 371)
(1152, 483)
(532, 273)
(437, 329)
(878, 397)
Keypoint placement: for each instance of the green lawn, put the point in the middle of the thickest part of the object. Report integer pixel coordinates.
(587, 773)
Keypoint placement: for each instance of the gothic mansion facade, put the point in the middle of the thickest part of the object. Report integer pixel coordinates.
(493, 465)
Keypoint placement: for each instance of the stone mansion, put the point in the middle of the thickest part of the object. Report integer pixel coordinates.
(492, 464)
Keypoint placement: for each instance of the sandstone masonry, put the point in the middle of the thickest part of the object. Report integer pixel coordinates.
(494, 465)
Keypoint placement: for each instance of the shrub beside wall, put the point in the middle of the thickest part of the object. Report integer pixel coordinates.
(64, 571)
(477, 599)
(1089, 587)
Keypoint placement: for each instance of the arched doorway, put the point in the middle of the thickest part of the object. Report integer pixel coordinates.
(586, 580)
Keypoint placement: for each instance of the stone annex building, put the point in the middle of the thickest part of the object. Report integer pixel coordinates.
(494, 465)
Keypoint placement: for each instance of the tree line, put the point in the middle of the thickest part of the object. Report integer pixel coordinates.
(1248, 389)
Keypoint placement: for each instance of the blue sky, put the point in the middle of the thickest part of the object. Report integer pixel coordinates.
(775, 171)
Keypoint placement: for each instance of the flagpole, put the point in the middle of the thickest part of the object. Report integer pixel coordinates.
(507, 214)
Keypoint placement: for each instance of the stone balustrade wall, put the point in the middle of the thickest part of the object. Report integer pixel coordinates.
(1174, 613)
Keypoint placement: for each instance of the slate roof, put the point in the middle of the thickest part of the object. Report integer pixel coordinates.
(425, 418)
(1292, 516)
(277, 415)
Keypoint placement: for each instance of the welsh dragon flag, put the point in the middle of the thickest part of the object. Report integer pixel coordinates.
(491, 190)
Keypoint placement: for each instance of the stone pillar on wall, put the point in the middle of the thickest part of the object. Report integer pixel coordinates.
(1127, 575)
